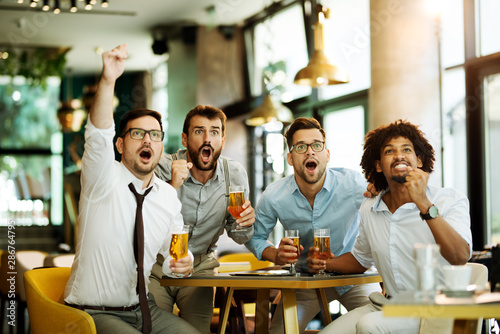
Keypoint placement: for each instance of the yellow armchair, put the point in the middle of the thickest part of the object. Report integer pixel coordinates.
(46, 309)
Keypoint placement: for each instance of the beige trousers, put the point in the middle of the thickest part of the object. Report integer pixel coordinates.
(195, 304)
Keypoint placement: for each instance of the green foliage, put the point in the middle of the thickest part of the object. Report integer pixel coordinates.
(36, 65)
(29, 120)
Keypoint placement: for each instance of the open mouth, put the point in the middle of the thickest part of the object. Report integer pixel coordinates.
(206, 153)
(311, 165)
(145, 154)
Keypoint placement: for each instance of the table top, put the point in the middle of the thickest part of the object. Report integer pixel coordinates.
(459, 308)
(272, 282)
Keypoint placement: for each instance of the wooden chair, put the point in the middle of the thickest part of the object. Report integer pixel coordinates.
(244, 300)
(46, 309)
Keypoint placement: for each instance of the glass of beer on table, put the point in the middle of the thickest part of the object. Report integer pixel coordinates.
(236, 200)
(179, 244)
(294, 236)
(322, 242)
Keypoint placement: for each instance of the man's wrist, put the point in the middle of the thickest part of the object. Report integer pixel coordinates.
(431, 213)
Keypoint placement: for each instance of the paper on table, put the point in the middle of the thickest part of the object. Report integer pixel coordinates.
(263, 273)
(484, 298)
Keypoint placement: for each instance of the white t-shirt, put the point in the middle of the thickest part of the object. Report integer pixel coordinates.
(104, 271)
(386, 240)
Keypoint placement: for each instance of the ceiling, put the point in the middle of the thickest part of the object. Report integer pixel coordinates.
(124, 21)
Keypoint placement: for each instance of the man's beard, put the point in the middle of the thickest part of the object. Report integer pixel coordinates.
(196, 157)
(138, 167)
(399, 179)
(311, 179)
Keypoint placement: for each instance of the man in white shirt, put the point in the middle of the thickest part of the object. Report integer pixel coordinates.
(397, 159)
(104, 277)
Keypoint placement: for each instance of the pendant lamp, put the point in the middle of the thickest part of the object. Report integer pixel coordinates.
(320, 71)
(269, 111)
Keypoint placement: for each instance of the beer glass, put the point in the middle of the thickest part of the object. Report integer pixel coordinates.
(236, 200)
(294, 236)
(322, 242)
(179, 244)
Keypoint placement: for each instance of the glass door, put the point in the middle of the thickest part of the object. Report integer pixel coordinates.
(491, 91)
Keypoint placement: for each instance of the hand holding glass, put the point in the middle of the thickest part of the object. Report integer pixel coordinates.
(294, 236)
(236, 201)
(322, 242)
(179, 244)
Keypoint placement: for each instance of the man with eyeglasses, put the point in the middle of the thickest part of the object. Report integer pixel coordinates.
(126, 215)
(313, 197)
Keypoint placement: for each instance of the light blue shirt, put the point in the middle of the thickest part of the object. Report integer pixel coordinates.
(336, 207)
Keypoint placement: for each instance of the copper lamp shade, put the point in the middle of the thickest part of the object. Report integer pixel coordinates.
(269, 111)
(320, 71)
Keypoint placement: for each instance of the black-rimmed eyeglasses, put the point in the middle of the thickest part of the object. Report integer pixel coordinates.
(135, 133)
(301, 148)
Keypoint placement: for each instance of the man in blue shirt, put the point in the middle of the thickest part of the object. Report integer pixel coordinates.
(313, 197)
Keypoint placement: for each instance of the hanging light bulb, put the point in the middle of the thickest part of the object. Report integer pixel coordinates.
(57, 9)
(73, 8)
(45, 6)
(319, 71)
(66, 4)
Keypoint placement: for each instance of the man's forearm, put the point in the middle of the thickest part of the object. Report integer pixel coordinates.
(269, 254)
(345, 264)
(101, 113)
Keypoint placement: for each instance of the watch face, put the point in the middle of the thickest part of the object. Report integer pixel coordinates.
(433, 212)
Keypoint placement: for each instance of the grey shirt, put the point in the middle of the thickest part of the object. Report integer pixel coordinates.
(204, 206)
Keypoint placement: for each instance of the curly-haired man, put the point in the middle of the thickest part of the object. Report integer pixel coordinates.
(397, 159)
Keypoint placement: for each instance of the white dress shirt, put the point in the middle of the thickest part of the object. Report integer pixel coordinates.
(386, 240)
(104, 271)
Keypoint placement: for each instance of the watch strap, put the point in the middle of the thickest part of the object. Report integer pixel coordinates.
(431, 213)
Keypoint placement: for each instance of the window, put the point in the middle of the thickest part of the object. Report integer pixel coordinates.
(279, 52)
(492, 154)
(347, 43)
(454, 130)
(489, 26)
(345, 131)
(30, 155)
(452, 33)
(160, 96)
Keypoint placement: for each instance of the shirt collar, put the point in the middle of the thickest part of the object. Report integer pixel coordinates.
(379, 204)
(329, 181)
(129, 177)
(327, 185)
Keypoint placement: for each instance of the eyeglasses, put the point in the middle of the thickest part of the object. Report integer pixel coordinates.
(155, 135)
(316, 146)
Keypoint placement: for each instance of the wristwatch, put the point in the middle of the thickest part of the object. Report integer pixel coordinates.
(431, 214)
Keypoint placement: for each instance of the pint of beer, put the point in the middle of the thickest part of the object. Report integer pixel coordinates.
(236, 200)
(322, 242)
(294, 236)
(179, 242)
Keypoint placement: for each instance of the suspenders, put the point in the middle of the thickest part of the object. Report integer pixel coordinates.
(227, 183)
